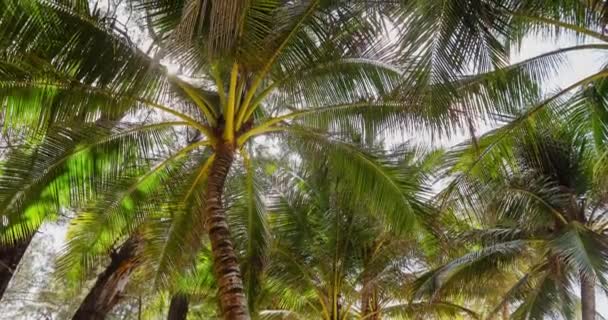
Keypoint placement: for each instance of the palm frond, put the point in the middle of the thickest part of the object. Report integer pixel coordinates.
(249, 226)
(583, 251)
(400, 195)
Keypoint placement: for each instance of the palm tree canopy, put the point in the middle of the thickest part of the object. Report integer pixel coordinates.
(132, 147)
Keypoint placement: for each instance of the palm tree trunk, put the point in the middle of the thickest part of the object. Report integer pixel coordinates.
(587, 298)
(110, 284)
(505, 311)
(178, 310)
(231, 293)
(10, 256)
(369, 308)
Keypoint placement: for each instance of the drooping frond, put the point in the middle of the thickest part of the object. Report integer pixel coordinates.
(63, 168)
(80, 45)
(435, 309)
(248, 218)
(400, 194)
(120, 202)
(583, 250)
(475, 267)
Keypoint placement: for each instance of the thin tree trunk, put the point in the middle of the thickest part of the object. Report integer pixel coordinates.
(231, 293)
(178, 310)
(369, 307)
(110, 284)
(587, 298)
(139, 308)
(10, 256)
(505, 311)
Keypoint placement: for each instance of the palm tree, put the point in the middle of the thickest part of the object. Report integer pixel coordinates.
(193, 293)
(582, 106)
(34, 183)
(107, 291)
(178, 309)
(306, 71)
(333, 258)
(10, 255)
(539, 215)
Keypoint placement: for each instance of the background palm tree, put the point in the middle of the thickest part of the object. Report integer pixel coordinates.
(332, 257)
(312, 74)
(537, 210)
(581, 106)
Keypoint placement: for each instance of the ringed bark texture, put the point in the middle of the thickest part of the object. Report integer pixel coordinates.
(10, 256)
(231, 293)
(178, 310)
(587, 298)
(110, 284)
